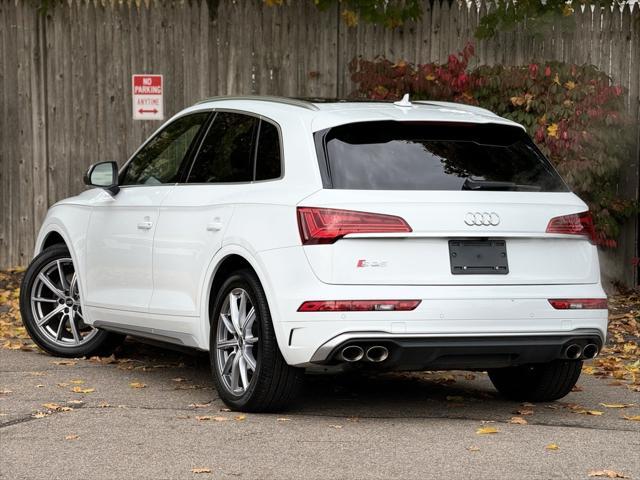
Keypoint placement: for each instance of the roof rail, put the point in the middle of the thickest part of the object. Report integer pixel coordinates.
(265, 98)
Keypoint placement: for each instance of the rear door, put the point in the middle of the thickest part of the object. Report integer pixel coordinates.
(474, 196)
(196, 214)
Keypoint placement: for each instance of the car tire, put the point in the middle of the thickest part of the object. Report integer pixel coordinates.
(249, 371)
(63, 334)
(543, 382)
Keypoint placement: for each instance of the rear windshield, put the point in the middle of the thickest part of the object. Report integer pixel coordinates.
(391, 155)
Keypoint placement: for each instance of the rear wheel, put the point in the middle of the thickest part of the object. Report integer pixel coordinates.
(51, 310)
(543, 382)
(249, 371)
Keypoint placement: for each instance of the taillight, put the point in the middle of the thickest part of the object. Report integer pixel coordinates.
(326, 225)
(579, 303)
(358, 305)
(574, 224)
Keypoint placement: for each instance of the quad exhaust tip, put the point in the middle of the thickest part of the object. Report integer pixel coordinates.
(590, 351)
(573, 351)
(352, 353)
(377, 353)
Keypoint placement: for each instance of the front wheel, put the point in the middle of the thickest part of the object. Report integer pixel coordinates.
(248, 369)
(543, 382)
(51, 309)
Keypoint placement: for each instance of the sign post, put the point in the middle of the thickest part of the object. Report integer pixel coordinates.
(148, 100)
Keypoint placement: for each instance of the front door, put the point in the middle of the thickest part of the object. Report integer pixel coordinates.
(120, 235)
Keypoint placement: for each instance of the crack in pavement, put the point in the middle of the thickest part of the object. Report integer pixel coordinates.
(18, 421)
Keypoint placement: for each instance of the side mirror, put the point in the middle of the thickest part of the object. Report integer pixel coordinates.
(103, 175)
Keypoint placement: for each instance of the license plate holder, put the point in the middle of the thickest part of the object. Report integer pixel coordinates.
(478, 257)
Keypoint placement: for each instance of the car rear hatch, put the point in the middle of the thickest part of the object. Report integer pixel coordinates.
(464, 204)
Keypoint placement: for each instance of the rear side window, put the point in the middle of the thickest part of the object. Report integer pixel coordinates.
(389, 155)
(268, 161)
(227, 151)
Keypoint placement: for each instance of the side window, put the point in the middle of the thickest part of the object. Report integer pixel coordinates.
(159, 160)
(268, 162)
(226, 154)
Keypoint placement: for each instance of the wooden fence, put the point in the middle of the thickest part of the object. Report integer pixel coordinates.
(65, 78)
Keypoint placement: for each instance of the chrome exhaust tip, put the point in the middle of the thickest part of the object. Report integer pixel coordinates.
(352, 353)
(573, 351)
(377, 353)
(590, 350)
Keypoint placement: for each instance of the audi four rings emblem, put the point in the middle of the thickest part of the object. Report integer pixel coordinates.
(479, 219)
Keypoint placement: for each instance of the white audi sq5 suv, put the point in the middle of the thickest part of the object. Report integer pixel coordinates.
(284, 235)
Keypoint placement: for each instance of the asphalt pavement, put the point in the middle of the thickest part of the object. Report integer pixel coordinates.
(154, 414)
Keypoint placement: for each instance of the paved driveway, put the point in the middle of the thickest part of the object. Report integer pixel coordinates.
(392, 426)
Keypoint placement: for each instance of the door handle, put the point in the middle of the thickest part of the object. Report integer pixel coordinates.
(215, 226)
(146, 225)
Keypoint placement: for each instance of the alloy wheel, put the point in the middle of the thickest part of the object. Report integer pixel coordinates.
(237, 342)
(55, 304)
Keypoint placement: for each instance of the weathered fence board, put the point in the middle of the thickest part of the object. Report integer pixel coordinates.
(65, 78)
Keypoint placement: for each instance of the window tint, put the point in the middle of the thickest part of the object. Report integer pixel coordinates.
(159, 161)
(226, 154)
(391, 155)
(268, 163)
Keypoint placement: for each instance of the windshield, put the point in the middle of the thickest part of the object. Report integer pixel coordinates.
(390, 155)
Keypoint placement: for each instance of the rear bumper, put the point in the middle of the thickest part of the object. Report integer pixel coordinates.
(446, 311)
(421, 353)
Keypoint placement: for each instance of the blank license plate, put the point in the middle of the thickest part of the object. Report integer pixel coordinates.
(478, 257)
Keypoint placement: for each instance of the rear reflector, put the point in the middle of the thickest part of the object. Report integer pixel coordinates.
(579, 303)
(575, 224)
(358, 305)
(326, 225)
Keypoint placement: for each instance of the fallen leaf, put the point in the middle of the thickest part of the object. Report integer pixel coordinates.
(473, 449)
(200, 405)
(635, 418)
(137, 385)
(103, 405)
(337, 427)
(5, 392)
(607, 473)
(486, 430)
(589, 412)
(103, 360)
(524, 411)
(75, 402)
(201, 470)
(40, 415)
(39, 385)
(518, 421)
(72, 437)
(203, 418)
(240, 417)
(82, 390)
(552, 446)
(64, 362)
(617, 405)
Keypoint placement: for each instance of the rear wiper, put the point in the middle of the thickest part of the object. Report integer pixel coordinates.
(471, 184)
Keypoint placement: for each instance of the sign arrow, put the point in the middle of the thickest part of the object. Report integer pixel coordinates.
(142, 110)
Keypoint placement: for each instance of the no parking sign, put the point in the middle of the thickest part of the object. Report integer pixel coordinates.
(148, 103)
